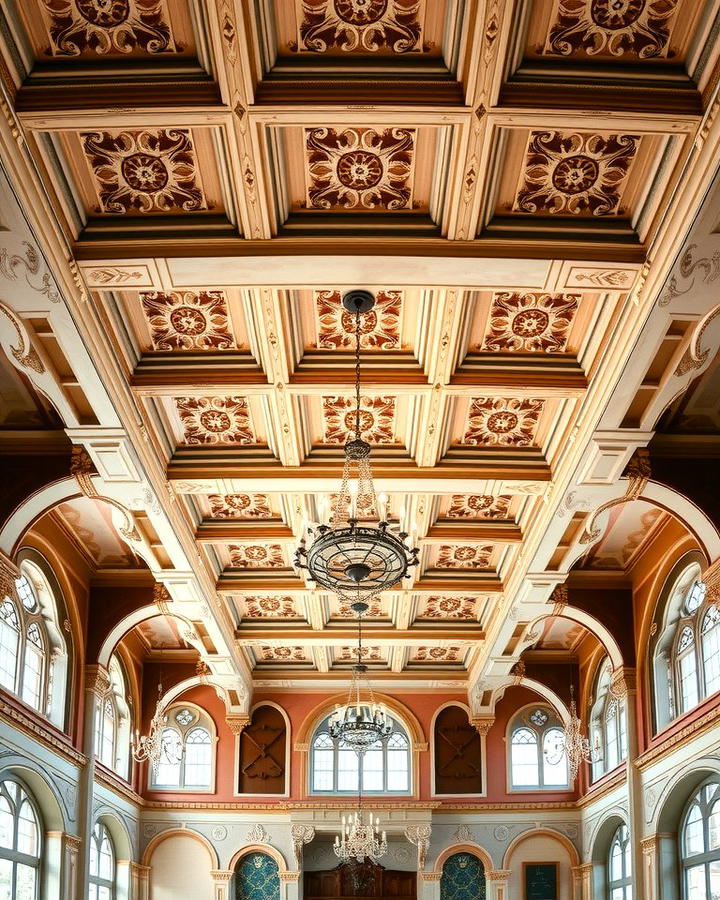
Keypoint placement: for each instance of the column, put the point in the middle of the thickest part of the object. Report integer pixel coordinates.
(221, 883)
(97, 684)
(289, 885)
(71, 884)
(623, 686)
(429, 884)
(582, 878)
(650, 847)
(139, 881)
(499, 884)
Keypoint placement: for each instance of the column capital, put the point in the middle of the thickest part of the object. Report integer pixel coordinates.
(220, 876)
(499, 876)
(8, 573)
(289, 876)
(623, 680)
(237, 724)
(430, 876)
(711, 580)
(97, 679)
(72, 842)
(649, 845)
(482, 724)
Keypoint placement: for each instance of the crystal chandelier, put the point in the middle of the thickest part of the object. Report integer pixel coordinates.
(155, 747)
(362, 721)
(360, 841)
(356, 560)
(573, 744)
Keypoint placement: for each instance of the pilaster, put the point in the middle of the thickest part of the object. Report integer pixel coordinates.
(499, 884)
(221, 883)
(582, 879)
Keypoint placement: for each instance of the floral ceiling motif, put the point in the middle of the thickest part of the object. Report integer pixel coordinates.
(379, 328)
(360, 168)
(188, 321)
(364, 506)
(448, 608)
(438, 654)
(637, 28)
(479, 506)
(256, 556)
(349, 654)
(530, 322)
(464, 556)
(215, 420)
(145, 171)
(108, 27)
(377, 415)
(497, 421)
(270, 607)
(575, 173)
(360, 25)
(374, 612)
(239, 506)
(283, 654)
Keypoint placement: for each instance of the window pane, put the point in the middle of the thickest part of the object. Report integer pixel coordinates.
(27, 841)
(323, 761)
(9, 637)
(348, 771)
(616, 861)
(6, 823)
(711, 650)
(714, 827)
(373, 769)
(695, 883)
(5, 879)
(198, 758)
(524, 758)
(168, 770)
(32, 672)
(398, 763)
(611, 742)
(555, 772)
(688, 680)
(106, 859)
(715, 879)
(694, 838)
(25, 883)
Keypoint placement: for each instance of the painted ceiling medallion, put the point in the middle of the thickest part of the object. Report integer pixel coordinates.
(215, 420)
(375, 610)
(360, 25)
(239, 506)
(108, 27)
(639, 28)
(379, 329)
(256, 556)
(574, 173)
(449, 608)
(360, 168)
(145, 171)
(188, 321)
(479, 506)
(530, 322)
(437, 654)
(270, 607)
(350, 654)
(462, 556)
(496, 421)
(377, 415)
(283, 654)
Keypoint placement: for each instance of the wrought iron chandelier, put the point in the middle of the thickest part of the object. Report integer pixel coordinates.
(573, 744)
(358, 840)
(356, 560)
(362, 721)
(154, 747)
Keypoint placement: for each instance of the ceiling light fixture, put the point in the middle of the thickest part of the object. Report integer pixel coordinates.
(154, 747)
(357, 560)
(573, 744)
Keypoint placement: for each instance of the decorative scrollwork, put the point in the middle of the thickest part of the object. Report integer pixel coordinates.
(638, 475)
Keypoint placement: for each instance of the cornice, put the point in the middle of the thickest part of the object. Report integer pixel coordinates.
(49, 738)
(678, 738)
(116, 784)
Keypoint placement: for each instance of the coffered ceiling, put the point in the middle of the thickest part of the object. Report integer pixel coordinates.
(499, 173)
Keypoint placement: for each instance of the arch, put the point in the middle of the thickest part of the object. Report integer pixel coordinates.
(203, 721)
(267, 751)
(674, 796)
(465, 847)
(155, 842)
(603, 833)
(478, 741)
(593, 625)
(45, 793)
(32, 508)
(541, 832)
(126, 624)
(406, 716)
(175, 692)
(549, 695)
(267, 849)
(118, 830)
(687, 513)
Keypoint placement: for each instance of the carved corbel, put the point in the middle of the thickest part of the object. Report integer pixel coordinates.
(9, 572)
(97, 680)
(24, 354)
(161, 598)
(559, 598)
(482, 724)
(518, 672)
(237, 724)
(420, 836)
(301, 835)
(711, 580)
(82, 469)
(638, 475)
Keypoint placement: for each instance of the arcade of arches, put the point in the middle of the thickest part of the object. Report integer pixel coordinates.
(531, 190)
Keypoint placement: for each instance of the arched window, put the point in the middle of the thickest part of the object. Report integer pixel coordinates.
(102, 865)
(608, 724)
(619, 866)
(686, 659)
(33, 655)
(20, 849)
(336, 769)
(112, 723)
(187, 755)
(700, 843)
(535, 733)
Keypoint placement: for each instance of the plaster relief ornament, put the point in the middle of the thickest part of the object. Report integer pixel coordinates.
(239, 506)
(108, 27)
(256, 556)
(270, 607)
(471, 556)
(575, 173)
(633, 28)
(145, 171)
(188, 321)
(283, 654)
(479, 506)
(379, 329)
(360, 25)
(495, 421)
(530, 322)
(375, 609)
(377, 415)
(215, 420)
(360, 168)
(350, 654)
(437, 654)
(449, 608)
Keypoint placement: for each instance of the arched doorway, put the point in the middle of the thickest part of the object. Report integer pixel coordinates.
(463, 878)
(257, 878)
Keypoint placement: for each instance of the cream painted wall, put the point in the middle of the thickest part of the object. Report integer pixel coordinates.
(180, 867)
(540, 849)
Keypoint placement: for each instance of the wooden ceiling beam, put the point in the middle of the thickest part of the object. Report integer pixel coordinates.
(382, 636)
